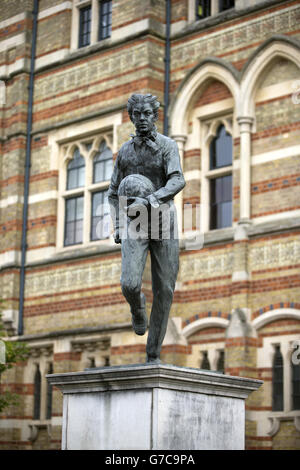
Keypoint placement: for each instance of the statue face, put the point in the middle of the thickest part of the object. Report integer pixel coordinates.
(143, 118)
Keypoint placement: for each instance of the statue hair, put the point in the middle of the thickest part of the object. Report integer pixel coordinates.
(139, 99)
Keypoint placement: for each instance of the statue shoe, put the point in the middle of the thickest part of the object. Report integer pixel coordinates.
(153, 360)
(139, 317)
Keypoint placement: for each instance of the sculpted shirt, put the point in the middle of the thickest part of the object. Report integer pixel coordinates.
(156, 157)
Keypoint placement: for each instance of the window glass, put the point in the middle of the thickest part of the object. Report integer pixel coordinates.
(221, 362)
(85, 17)
(221, 149)
(100, 226)
(203, 9)
(74, 221)
(103, 164)
(296, 386)
(221, 202)
(277, 380)
(105, 19)
(49, 395)
(205, 361)
(37, 394)
(76, 171)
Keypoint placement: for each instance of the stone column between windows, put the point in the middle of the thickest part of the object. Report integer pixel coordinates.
(95, 21)
(245, 126)
(180, 140)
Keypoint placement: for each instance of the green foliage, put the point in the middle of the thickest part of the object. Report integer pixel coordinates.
(14, 352)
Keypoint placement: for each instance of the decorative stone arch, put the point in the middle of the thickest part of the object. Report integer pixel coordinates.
(203, 323)
(210, 68)
(276, 314)
(276, 46)
(69, 154)
(212, 132)
(96, 146)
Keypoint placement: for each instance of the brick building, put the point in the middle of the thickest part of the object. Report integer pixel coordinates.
(67, 69)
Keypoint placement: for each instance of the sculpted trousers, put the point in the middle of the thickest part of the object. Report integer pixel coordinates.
(164, 268)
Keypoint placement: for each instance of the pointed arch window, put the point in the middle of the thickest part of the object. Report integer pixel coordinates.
(205, 364)
(220, 149)
(277, 380)
(102, 171)
(49, 395)
(226, 4)
(220, 175)
(221, 362)
(76, 171)
(103, 164)
(295, 386)
(37, 393)
(83, 190)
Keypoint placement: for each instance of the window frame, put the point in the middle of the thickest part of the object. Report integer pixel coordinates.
(37, 394)
(214, 10)
(81, 33)
(209, 132)
(265, 358)
(95, 23)
(41, 359)
(101, 14)
(197, 9)
(295, 380)
(277, 404)
(67, 152)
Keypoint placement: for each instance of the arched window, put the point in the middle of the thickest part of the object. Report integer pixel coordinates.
(277, 380)
(49, 395)
(220, 155)
(102, 171)
(295, 386)
(83, 191)
(76, 171)
(37, 394)
(221, 362)
(205, 361)
(103, 164)
(220, 150)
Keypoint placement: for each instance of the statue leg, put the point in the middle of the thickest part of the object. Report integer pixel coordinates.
(134, 255)
(164, 268)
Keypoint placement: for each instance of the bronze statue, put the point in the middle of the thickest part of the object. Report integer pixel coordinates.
(155, 157)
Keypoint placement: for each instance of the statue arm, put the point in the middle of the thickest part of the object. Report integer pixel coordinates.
(175, 179)
(113, 197)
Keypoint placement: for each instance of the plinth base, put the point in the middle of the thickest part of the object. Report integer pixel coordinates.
(152, 407)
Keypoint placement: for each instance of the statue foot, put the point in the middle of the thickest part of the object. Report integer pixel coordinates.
(153, 360)
(139, 318)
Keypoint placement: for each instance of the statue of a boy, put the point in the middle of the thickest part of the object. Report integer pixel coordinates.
(156, 157)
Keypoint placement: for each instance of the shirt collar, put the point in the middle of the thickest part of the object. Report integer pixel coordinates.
(151, 135)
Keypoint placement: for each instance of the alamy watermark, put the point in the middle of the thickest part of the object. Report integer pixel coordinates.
(296, 354)
(146, 222)
(296, 93)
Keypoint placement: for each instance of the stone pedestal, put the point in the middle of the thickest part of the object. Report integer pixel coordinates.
(152, 407)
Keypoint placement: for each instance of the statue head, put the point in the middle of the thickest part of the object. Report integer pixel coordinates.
(143, 111)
